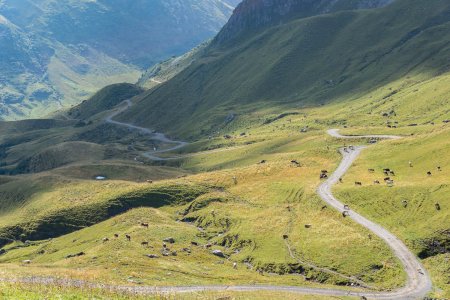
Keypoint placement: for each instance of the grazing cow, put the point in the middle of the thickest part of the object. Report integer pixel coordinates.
(194, 243)
(323, 176)
(371, 170)
(376, 182)
(345, 214)
(262, 161)
(387, 179)
(341, 180)
(392, 173)
(405, 203)
(324, 207)
(208, 246)
(144, 243)
(352, 148)
(324, 172)
(386, 170)
(149, 181)
(358, 183)
(128, 237)
(295, 163)
(285, 236)
(116, 235)
(429, 173)
(105, 240)
(438, 206)
(346, 207)
(439, 169)
(144, 225)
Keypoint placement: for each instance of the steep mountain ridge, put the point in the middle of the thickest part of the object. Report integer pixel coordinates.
(256, 14)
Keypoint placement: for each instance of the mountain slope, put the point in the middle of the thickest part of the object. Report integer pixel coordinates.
(166, 70)
(304, 62)
(255, 15)
(57, 53)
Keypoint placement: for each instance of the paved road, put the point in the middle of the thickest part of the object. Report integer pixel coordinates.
(417, 286)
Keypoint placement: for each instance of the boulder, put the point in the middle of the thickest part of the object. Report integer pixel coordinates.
(218, 253)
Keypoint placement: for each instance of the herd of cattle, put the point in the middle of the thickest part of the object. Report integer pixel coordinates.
(388, 180)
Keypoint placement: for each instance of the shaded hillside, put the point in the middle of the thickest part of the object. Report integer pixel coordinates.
(166, 70)
(304, 62)
(105, 99)
(254, 14)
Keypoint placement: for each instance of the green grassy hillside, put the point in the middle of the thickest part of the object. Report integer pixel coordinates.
(303, 63)
(257, 112)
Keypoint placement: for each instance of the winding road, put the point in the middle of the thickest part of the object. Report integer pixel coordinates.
(154, 135)
(418, 281)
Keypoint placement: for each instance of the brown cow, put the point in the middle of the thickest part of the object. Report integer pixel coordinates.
(144, 225)
(358, 183)
(144, 243)
(116, 235)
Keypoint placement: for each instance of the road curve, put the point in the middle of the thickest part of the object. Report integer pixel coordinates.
(152, 155)
(417, 286)
(419, 282)
(335, 133)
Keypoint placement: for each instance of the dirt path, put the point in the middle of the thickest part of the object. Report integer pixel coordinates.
(419, 282)
(417, 286)
(154, 135)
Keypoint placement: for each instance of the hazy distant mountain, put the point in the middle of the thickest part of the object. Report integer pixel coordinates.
(55, 53)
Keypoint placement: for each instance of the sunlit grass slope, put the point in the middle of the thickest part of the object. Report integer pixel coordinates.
(302, 63)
